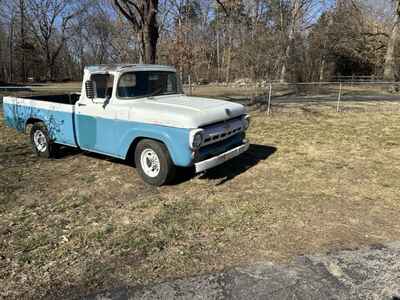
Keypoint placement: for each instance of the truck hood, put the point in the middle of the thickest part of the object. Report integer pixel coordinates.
(183, 111)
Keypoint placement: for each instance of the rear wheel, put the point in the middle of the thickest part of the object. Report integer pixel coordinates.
(154, 163)
(42, 145)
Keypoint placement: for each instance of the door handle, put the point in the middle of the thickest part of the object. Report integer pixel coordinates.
(81, 104)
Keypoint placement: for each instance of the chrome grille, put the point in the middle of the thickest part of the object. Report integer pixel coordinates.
(221, 131)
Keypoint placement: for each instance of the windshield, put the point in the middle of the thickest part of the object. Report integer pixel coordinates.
(148, 83)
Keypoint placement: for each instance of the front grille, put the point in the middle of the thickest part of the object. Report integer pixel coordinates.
(222, 131)
(220, 147)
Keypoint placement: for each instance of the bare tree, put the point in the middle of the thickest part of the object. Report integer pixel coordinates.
(49, 21)
(142, 14)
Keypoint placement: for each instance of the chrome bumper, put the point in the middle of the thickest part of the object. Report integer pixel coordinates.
(219, 159)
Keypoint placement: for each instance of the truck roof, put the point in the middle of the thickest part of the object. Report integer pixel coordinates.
(128, 67)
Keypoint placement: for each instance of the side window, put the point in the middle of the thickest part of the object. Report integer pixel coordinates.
(103, 84)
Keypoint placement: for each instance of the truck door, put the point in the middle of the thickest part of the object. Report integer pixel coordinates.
(95, 117)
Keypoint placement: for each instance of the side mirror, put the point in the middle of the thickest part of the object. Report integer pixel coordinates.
(90, 91)
(107, 101)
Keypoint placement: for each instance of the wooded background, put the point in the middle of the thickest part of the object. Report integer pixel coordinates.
(212, 40)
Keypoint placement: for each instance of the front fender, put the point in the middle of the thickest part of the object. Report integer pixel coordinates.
(175, 139)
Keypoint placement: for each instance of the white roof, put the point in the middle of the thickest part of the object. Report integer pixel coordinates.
(128, 67)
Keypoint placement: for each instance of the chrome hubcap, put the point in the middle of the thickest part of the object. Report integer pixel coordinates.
(150, 163)
(40, 141)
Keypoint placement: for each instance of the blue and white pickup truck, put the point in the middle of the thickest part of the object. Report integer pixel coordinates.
(136, 112)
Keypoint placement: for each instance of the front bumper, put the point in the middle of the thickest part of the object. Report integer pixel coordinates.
(221, 158)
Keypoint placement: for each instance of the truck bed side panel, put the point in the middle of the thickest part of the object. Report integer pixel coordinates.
(57, 117)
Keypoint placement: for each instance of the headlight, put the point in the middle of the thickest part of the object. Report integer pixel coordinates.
(246, 122)
(196, 139)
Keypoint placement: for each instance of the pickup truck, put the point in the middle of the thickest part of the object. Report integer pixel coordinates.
(134, 112)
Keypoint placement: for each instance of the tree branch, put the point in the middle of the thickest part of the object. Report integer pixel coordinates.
(129, 14)
(223, 7)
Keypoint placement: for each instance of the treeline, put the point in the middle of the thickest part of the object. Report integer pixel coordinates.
(212, 40)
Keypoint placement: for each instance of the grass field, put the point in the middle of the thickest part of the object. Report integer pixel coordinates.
(312, 181)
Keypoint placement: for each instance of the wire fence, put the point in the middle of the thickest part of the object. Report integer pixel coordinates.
(358, 78)
(275, 96)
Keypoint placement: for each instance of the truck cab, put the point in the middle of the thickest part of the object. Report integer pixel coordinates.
(136, 112)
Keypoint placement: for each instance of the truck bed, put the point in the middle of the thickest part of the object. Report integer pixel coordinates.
(61, 99)
(55, 111)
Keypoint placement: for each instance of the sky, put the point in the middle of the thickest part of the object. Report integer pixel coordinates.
(320, 7)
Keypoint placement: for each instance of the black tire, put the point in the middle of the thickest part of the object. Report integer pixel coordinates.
(167, 168)
(50, 149)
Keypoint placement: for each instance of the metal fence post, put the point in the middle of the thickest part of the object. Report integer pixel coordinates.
(339, 98)
(269, 99)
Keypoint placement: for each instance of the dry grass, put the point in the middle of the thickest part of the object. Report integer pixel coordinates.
(312, 181)
(58, 87)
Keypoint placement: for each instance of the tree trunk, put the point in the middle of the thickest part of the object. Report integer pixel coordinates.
(151, 35)
(229, 55)
(218, 48)
(322, 70)
(81, 50)
(82, 59)
(287, 55)
(150, 44)
(390, 62)
(10, 49)
(141, 47)
(23, 42)
(218, 56)
(283, 72)
(49, 66)
(293, 27)
(228, 64)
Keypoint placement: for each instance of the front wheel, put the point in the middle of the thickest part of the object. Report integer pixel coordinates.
(154, 163)
(42, 145)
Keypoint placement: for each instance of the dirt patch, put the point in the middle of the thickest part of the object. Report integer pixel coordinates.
(311, 182)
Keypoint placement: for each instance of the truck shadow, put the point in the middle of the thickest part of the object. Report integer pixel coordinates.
(226, 171)
(65, 151)
(232, 168)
